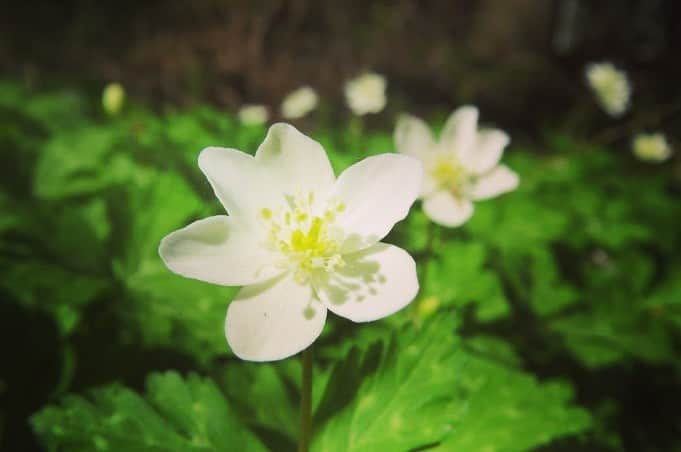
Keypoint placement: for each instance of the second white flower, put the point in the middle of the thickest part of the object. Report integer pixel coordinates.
(461, 168)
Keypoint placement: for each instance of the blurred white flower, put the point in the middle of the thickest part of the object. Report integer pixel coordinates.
(652, 147)
(113, 98)
(462, 167)
(253, 115)
(301, 240)
(366, 93)
(299, 103)
(611, 86)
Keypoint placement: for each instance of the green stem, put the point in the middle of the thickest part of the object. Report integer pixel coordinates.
(427, 255)
(306, 402)
(430, 249)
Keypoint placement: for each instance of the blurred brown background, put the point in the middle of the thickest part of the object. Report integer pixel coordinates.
(521, 60)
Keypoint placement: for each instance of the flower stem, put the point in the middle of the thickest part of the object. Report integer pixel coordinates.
(432, 232)
(306, 402)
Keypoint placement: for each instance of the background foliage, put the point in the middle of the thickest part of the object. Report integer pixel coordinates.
(540, 323)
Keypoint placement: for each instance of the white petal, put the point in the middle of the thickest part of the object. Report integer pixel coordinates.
(294, 161)
(500, 180)
(273, 320)
(377, 192)
(375, 282)
(446, 210)
(218, 250)
(413, 136)
(233, 175)
(459, 133)
(489, 147)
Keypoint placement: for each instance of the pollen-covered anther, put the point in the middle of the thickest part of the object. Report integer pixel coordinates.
(303, 237)
(449, 174)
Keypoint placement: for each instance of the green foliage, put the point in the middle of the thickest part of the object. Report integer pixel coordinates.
(71, 163)
(580, 261)
(175, 414)
(507, 410)
(266, 396)
(52, 261)
(457, 276)
(395, 396)
(424, 386)
(156, 309)
(417, 387)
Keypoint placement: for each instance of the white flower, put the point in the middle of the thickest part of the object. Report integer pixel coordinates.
(299, 103)
(611, 87)
(113, 98)
(366, 93)
(651, 147)
(301, 240)
(462, 167)
(253, 115)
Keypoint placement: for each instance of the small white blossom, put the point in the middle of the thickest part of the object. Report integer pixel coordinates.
(366, 93)
(113, 98)
(462, 167)
(299, 103)
(611, 86)
(301, 240)
(253, 115)
(651, 147)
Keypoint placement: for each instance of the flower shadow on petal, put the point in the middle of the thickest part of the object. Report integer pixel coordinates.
(358, 278)
(254, 290)
(353, 243)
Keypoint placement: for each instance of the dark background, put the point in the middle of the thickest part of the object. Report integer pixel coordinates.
(520, 61)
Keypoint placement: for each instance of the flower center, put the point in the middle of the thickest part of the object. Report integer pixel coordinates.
(304, 234)
(449, 174)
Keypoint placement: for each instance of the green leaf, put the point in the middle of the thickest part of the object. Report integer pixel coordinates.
(457, 276)
(51, 288)
(509, 411)
(664, 302)
(81, 161)
(155, 204)
(536, 277)
(426, 386)
(395, 396)
(55, 259)
(604, 336)
(614, 322)
(176, 414)
(165, 309)
(265, 396)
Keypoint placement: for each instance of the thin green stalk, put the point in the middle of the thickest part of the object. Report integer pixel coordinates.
(306, 402)
(432, 232)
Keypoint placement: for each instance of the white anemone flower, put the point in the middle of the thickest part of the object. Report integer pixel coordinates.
(366, 93)
(253, 115)
(301, 240)
(651, 147)
(461, 168)
(299, 103)
(611, 86)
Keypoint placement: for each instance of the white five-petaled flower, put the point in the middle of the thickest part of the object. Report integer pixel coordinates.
(652, 147)
(462, 167)
(253, 114)
(301, 240)
(611, 86)
(366, 93)
(299, 103)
